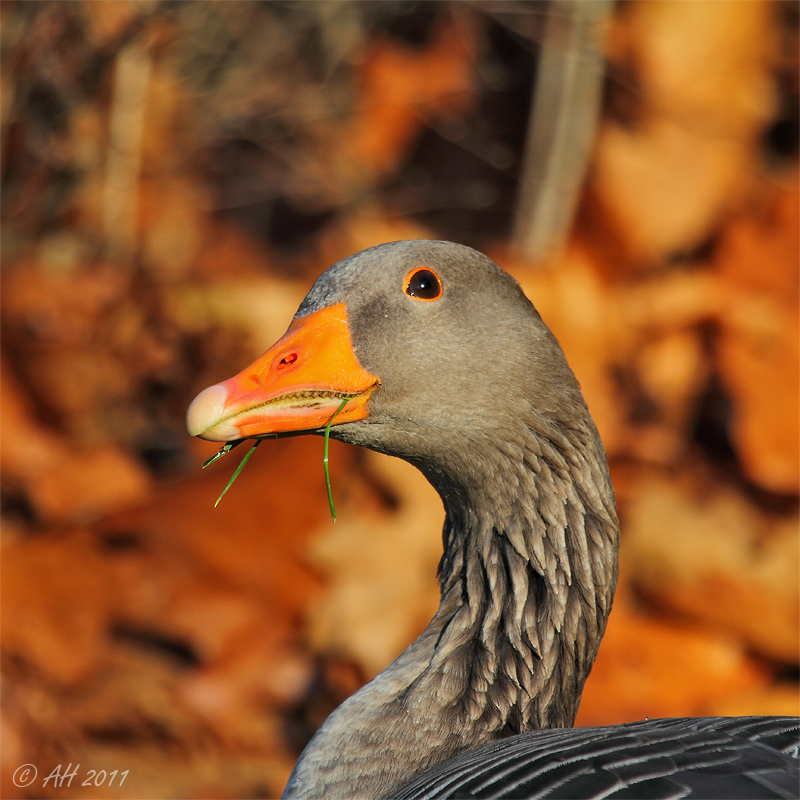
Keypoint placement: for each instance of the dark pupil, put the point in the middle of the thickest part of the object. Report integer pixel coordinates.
(423, 284)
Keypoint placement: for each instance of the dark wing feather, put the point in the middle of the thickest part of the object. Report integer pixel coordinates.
(716, 757)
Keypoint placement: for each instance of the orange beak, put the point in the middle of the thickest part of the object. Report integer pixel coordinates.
(297, 385)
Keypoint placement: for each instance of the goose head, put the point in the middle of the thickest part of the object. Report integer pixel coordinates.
(438, 349)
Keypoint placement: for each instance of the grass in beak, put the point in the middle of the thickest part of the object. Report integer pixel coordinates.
(228, 446)
(325, 457)
(226, 449)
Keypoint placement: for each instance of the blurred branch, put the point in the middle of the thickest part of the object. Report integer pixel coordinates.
(123, 165)
(562, 124)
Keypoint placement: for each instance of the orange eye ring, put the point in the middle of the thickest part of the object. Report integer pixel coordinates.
(422, 283)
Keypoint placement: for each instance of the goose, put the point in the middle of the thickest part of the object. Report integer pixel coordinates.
(430, 352)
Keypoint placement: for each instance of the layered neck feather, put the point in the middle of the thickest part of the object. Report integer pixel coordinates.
(527, 578)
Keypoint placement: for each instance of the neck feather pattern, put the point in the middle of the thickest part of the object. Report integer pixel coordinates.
(527, 585)
(527, 579)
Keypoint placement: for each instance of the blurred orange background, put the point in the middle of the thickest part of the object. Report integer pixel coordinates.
(175, 176)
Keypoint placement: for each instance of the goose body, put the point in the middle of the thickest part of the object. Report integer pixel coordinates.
(445, 363)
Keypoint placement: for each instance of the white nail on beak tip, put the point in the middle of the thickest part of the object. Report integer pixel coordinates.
(205, 412)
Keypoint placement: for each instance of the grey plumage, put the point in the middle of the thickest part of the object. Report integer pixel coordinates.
(722, 757)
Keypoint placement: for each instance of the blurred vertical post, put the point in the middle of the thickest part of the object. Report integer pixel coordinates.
(124, 153)
(562, 123)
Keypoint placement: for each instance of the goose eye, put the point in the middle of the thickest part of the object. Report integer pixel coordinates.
(424, 284)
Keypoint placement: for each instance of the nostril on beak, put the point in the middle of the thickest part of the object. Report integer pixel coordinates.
(287, 360)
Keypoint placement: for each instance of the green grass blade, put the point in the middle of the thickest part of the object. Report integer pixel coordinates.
(228, 446)
(238, 469)
(325, 457)
(224, 450)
